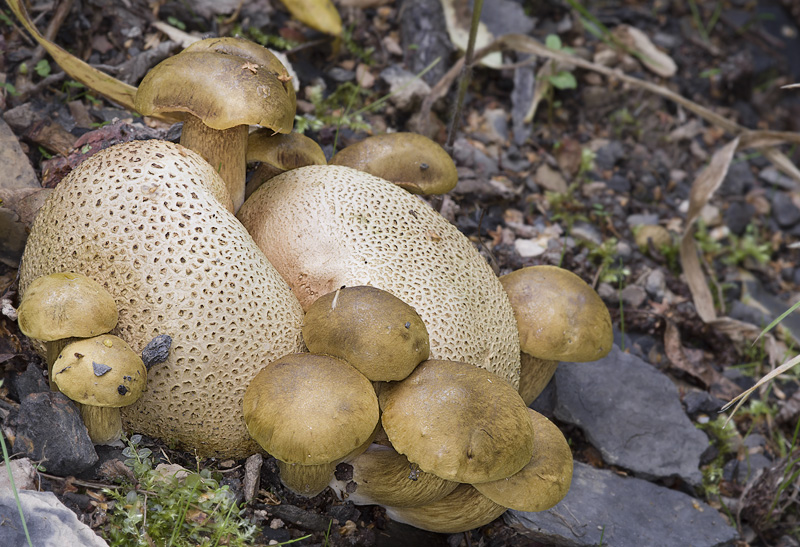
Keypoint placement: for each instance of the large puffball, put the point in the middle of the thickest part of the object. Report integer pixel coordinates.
(149, 221)
(328, 226)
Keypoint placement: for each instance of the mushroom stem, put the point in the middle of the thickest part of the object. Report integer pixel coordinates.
(53, 349)
(104, 424)
(534, 375)
(224, 149)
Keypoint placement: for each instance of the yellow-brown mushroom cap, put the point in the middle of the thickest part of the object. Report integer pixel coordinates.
(458, 421)
(310, 409)
(380, 335)
(64, 305)
(544, 481)
(100, 371)
(223, 81)
(283, 151)
(559, 316)
(412, 161)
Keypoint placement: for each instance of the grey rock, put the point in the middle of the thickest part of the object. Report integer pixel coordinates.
(423, 26)
(608, 293)
(586, 232)
(785, 213)
(656, 285)
(701, 402)
(604, 508)
(608, 156)
(521, 99)
(632, 414)
(618, 183)
(157, 350)
(407, 91)
(633, 296)
(21, 117)
(48, 521)
(13, 236)
(773, 177)
(624, 250)
(339, 74)
(24, 475)
(495, 126)
(636, 220)
(32, 380)
(738, 181)
(17, 171)
(507, 16)
(738, 215)
(50, 431)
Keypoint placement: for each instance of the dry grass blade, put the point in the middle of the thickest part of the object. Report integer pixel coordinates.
(111, 88)
(742, 397)
(703, 188)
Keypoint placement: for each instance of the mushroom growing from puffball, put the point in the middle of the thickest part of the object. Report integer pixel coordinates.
(351, 228)
(412, 161)
(101, 374)
(545, 479)
(560, 318)
(59, 307)
(150, 220)
(277, 153)
(374, 331)
(382, 476)
(457, 421)
(221, 86)
(312, 411)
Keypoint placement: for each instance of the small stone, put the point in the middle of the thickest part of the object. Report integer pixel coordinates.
(784, 211)
(527, 248)
(339, 74)
(738, 215)
(656, 285)
(23, 472)
(587, 233)
(54, 524)
(738, 181)
(608, 156)
(50, 430)
(697, 402)
(157, 350)
(633, 296)
(773, 177)
(407, 90)
(636, 220)
(550, 179)
(32, 380)
(652, 234)
(618, 183)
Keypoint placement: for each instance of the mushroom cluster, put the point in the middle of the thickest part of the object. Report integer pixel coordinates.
(336, 320)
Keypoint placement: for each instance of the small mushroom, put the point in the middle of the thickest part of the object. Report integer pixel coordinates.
(310, 410)
(59, 307)
(278, 153)
(545, 479)
(462, 509)
(457, 421)
(102, 374)
(413, 162)
(380, 335)
(221, 86)
(560, 318)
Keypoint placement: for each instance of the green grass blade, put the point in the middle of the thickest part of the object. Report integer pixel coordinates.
(14, 486)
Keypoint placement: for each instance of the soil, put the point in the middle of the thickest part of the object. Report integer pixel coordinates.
(732, 58)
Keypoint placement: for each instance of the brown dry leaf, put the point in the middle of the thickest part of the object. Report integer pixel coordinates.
(674, 350)
(651, 57)
(458, 17)
(703, 188)
(320, 15)
(541, 88)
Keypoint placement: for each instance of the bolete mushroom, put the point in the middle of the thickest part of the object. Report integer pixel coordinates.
(60, 307)
(310, 410)
(377, 333)
(462, 509)
(101, 374)
(148, 220)
(350, 228)
(412, 161)
(382, 476)
(545, 479)
(221, 86)
(560, 318)
(277, 153)
(457, 421)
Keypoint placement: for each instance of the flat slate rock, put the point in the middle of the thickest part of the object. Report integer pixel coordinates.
(603, 508)
(49, 522)
(632, 414)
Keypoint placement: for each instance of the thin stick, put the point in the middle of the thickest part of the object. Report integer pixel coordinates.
(466, 75)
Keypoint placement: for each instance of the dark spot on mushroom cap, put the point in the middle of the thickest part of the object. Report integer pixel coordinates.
(423, 166)
(122, 390)
(99, 368)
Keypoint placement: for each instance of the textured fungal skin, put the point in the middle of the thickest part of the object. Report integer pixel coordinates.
(149, 221)
(351, 228)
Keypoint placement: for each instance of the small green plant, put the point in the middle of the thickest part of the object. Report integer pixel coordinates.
(171, 511)
(561, 79)
(42, 68)
(175, 22)
(337, 109)
(705, 28)
(720, 433)
(747, 247)
(603, 255)
(361, 53)
(10, 89)
(266, 40)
